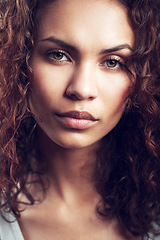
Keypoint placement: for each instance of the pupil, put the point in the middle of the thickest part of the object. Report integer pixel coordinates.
(112, 63)
(58, 55)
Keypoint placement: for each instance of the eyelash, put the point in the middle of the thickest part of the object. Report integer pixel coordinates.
(112, 60)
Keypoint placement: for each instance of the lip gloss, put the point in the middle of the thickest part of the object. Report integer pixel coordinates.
(76, 119)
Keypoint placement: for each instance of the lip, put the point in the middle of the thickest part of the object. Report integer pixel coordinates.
(76, 119)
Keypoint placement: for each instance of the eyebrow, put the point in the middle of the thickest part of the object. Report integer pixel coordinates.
(59, 42)
(71, 47)
(117, 48)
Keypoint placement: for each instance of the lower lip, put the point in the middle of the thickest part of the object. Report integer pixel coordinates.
(74, 123)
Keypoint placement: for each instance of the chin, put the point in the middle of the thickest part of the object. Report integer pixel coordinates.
(74, 143)
(67, 140)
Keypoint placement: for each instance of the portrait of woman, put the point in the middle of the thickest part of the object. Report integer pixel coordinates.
(79, 119)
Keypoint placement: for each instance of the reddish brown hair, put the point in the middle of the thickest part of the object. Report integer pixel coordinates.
(128, 165)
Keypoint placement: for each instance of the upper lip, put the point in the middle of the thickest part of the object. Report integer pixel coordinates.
(77, 115)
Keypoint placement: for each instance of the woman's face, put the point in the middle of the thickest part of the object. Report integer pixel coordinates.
(80, 83)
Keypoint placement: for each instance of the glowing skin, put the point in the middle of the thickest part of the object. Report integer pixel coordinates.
(78, 94)
(78, 68)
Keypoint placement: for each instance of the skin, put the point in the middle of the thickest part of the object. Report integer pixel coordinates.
(81, 81)
(77, 66)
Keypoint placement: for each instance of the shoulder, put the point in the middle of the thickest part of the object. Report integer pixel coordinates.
(152, 236)
(9, 228)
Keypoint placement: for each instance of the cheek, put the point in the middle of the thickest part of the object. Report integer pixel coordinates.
(39, 96)
(43, 89)
(121, 97)
(48, 82)
(115, 92)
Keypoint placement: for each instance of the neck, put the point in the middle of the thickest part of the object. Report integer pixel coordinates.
(70, 171)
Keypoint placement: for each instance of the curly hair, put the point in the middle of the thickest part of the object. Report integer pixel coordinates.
(128, 164)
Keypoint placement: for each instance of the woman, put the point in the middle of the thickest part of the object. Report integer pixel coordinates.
(79, 119)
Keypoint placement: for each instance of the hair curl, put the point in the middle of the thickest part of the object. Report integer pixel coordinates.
(128, 165)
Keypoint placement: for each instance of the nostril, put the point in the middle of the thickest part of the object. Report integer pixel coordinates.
(78, 95)
(91, 98)
(73, 97)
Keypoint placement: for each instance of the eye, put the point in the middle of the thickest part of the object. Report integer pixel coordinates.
(117, 63)
(57, 56)
(112, 64)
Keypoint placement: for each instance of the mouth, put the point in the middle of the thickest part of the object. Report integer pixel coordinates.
(77, 119)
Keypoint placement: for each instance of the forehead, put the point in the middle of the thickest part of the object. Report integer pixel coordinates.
(83, 21)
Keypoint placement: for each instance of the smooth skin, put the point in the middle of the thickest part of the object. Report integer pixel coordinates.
(79, 63)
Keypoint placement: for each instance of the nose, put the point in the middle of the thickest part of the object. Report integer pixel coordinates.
(83, 84)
